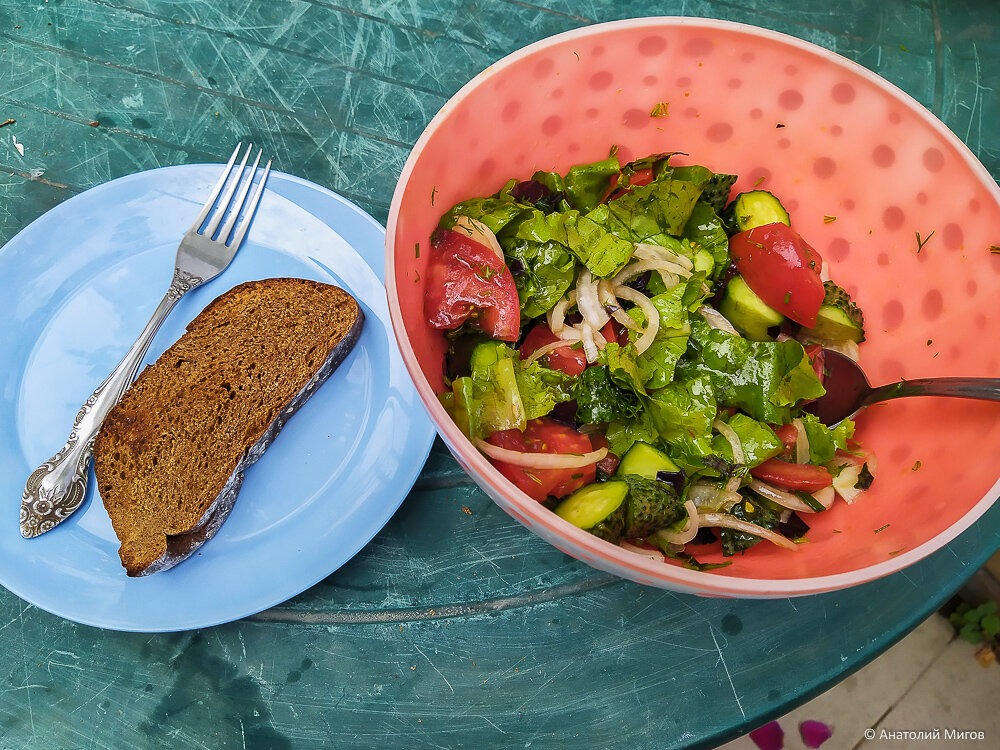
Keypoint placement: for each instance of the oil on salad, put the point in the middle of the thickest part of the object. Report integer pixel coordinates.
(638, 352)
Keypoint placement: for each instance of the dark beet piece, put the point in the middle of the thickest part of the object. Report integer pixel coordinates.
(674, 478)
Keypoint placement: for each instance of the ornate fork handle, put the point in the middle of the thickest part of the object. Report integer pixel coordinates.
(58, 487)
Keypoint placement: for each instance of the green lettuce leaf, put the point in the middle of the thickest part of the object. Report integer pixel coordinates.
(599, 399)
(659, 360)
(704, 230)
(763, 378)
(548, 271)
(502, 394)
(622, 434)
(552, 180)
(661, 207)
(682, 413)
(602, 252)
(624, 368)
(495, 211)
(586, 184)
(541, 389)
(758, 440)
(824, 441)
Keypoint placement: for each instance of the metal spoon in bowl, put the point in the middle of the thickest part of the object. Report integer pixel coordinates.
(848, 390)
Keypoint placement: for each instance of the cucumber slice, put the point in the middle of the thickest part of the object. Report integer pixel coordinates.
(703, 261)
(757, 208)
(592, 504)
(839, 318)
(644, 460)
(834, 324)
(747, 312)
(484, 355)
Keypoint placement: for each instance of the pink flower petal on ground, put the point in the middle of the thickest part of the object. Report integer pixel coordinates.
(769, 737)
(815, 733)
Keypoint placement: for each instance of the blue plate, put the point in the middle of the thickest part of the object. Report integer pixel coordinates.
(76, 287)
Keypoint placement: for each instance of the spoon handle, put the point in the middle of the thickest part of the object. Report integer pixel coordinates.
(983, 389)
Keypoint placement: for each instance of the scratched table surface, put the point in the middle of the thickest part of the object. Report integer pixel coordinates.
(455, 627)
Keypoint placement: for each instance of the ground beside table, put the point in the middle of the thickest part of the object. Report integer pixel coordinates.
(455, 627)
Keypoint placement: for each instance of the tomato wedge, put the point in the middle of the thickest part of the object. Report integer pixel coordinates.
(466, 279)
(787, 434)
(792, 476)
(570, 361)
(782, 269)
(544, 435)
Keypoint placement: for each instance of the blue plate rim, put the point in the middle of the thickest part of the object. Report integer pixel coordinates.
(335, 209)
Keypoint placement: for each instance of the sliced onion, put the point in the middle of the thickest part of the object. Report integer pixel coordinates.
(606, 293)
(717, 319)
(657, 262)
(557, 315)
(541, 460)
(727, 521)
(842, 346)
(665, 268)
(850, 471)
(709, 496)
(589, 344)
(704, 495)
(729, 499)
(734, 440)
(649, 251)
(690, 530)
(652, 554)
(648, 309)
(846, 347)
(571, 334)
(626, 320)
(801, 442)
(478, 232)
(825, 497)
(785, 499)
(588, 302)
(543, 350)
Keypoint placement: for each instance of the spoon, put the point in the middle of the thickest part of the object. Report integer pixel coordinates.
(848, 390)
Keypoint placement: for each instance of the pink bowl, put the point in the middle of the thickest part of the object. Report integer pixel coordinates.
(832, 140)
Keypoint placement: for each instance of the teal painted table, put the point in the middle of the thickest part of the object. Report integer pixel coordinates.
(455, 627)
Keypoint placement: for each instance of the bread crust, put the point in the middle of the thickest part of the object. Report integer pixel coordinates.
(180, 546)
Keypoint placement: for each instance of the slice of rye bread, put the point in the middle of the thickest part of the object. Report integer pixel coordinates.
(170, 456)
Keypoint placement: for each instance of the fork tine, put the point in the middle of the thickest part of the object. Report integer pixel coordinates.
(213, 224)
(215, 191)
(241, 230)
(239, 200)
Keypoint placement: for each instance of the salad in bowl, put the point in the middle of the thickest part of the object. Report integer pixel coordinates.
(637, 351)
(895, 211)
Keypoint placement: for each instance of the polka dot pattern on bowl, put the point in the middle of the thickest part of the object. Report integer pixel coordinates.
(900, 211)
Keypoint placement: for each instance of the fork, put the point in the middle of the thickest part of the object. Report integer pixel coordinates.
(57, 488)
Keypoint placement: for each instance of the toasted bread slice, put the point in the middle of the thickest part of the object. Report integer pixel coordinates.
(171, 454)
